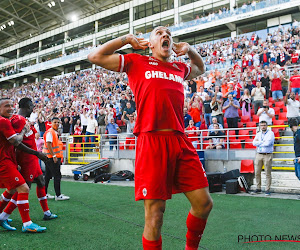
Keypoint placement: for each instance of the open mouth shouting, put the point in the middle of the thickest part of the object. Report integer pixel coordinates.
(166, 44)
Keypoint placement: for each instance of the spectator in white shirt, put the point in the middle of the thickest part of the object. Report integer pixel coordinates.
(292, 106)
(91, 129)
(266, 113)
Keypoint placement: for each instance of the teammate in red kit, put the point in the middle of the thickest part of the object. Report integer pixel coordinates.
(11, 179)
(30, 168)
(166, 161)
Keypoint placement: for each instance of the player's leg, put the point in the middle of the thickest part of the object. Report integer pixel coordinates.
(154, 211)
(11, 206)
(23, 206)
(42, 197)
(201, 205)
(5, 198)
(48, 175)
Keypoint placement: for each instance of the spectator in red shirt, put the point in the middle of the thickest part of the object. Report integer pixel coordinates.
(192, 133)
(276, 87)
(295, 82)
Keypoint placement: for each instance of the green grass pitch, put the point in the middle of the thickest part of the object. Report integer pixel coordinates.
(106, 217)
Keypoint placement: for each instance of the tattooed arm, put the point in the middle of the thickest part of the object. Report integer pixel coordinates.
(104, 55)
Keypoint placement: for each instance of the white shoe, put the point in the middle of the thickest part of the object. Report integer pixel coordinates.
(62, 197)
(49, 196)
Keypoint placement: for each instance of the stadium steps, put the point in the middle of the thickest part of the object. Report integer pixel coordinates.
(284, 153)
(282, 182)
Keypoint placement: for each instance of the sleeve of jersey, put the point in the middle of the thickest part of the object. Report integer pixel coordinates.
(187, 70)
(126, 62)
(7, 129)
(17, 124)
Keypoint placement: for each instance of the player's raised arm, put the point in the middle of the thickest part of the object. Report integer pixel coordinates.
(105, 56)
(197, 65)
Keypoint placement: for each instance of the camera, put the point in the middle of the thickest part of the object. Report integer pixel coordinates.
(265, 107)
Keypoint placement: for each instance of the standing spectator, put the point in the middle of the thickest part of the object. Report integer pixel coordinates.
(216, 108)
(284, 82)
(186, 117)
(112, 130)
(123, 102)
(192, 133)
(192, 87)
(207, 110)
(195, 110)
(84, 120)
(264, 58)
(246, 103)
(129, 123)
(295, 82)
(276, 87)
(292, 106)
(216, 138)
(91, 129)
(41, 123)
(51, 148)
(231, 107)
(258, 95)
(66, 124)
(264, 143)
(265, 82)
(101, 122)
(266, 113)
(78, 131)
(231, 91)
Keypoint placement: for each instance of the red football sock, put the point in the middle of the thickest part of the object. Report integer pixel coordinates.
(195, 227)
(41, 194)
(12, 204)
(6, 196)
(23, 206)
(152, 245)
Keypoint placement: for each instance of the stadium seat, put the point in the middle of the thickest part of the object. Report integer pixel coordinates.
(251, 124)
(278, 122)
(247, 166)
(240, 125)
(72, 148)
(277, 110)
(282, 116)
(224, 120)
(255, 118)
(132, 146)
(252, 112)
(235, 144)
(283, 109)
(276, 132)
(240, 112)
(244, 134)
(203, 126)
(121, 146)
(231, 134)
(128, 142)
(204, 135)
(225, 125)
(245, 119)
(78, 147)
(248, 144)
(279, 104)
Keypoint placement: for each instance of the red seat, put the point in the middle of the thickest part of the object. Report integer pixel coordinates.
(245, 118)
(240, 125)
(278, 122)
(244, 134)
(231, 134)
(284, 109)
(235, 143)
(121, 146)
(248, 144)
(282, 116)
(251, 124)
(279, 104)
(204, 134)
(277, 110)
(255, 118)
(276, 132)
(128, 142)
(225, 125)
(120, 123)
(71, 146)
(132, 146)
(247, 166)
(203, 126)
(252, 111)
(271, 99)
(224, 120)
(240, 112)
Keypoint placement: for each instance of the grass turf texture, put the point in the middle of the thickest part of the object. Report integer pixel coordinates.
(106, 217)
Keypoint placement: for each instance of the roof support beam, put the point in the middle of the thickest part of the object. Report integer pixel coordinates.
(51, 11)
(18, 18)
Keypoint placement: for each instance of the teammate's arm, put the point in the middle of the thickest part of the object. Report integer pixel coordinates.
(28, 150)
(104, 55)
(197, 65)
(16, 140)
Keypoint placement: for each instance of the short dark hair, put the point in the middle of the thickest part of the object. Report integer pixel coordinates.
(24, 102)
(293, 122)
(55, 118)
(261, 122)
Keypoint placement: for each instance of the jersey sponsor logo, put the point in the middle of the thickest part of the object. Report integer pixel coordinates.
(144, 192)
(153, 63)
(163, 75)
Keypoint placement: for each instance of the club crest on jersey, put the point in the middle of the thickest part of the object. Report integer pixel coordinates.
(31, 176)
(163, 75)
(17, 179)
(144, 192)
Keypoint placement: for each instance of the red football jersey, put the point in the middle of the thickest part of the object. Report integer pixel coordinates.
(158, 90)
(295, 81)
(7, 150)
(18, 122)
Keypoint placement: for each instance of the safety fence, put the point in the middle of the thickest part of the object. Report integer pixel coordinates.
(82, 150)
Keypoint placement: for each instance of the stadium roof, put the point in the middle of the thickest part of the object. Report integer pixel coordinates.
(21, 19)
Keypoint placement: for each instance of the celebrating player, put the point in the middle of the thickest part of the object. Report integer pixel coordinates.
(166, 161)
(11, 179)
(30, 168)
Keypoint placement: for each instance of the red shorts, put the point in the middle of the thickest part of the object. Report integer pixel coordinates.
(166, 163)
(30, 168)
(10, 176)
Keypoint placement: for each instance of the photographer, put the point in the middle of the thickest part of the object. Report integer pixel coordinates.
(216, 108)
(266, 113)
